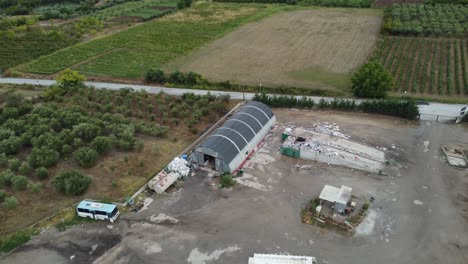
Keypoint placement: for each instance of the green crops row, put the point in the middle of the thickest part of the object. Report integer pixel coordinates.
(426, 66)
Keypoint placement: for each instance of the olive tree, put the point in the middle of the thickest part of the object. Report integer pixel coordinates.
(71, 182)
(86, 157)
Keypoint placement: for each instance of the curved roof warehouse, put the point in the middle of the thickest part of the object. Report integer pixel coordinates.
(229, 145)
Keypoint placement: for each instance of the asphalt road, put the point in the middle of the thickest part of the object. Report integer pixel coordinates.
(430, 112)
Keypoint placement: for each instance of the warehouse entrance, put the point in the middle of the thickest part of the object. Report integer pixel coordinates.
(209, 161)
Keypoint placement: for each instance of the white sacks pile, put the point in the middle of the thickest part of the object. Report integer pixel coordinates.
(179, 166)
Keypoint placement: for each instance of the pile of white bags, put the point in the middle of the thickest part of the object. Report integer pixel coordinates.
(179, 166)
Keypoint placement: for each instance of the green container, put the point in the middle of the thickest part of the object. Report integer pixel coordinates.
(290, 152)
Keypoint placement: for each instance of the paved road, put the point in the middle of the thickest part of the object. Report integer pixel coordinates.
(431, 112)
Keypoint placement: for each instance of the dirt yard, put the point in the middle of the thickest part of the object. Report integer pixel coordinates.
(419, 214)
(307, 48)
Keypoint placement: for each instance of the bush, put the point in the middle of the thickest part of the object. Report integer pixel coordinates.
(6, 177)
(70, 79)
(372, 80)
(25, 168)
(184, 4)
(86, 157)
(3, 195)
(3, 160)
(155, 75)
(102, 145)
(71, 182)
(35, 187)
(227, 181)
(14, 164)
(43, 157)
(19, 182)
(42, 173)
(14, 241)
(365, 206)
(400, 108)
(10, 202)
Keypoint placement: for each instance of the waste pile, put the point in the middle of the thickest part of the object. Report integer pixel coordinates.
(309, 144)
(180, 166)
(329, 129)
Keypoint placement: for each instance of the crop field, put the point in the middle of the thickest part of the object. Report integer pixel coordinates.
(427, 66)
(145, 9)
(29, 45)
(315, 48)
(119, 139)
(132, 52)
(417, 19)
(383, 3)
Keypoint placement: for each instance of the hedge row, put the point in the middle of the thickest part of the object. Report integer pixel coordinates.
(400, 108)
(289, 2)
(193, 80)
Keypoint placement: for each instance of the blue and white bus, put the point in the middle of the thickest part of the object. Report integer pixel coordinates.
(95, 210)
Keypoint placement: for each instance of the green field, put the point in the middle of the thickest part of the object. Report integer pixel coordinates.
(132, 52)
(138, 8)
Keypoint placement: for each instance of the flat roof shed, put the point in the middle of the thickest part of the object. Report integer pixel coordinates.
(344, 195)
(329, 193)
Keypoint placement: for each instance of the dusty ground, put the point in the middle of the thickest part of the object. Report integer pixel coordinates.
(419, 215)
(306, 48)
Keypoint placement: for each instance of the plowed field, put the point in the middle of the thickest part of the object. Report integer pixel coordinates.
(315, 48)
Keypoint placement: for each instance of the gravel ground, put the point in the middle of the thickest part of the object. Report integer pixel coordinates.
(419, 216)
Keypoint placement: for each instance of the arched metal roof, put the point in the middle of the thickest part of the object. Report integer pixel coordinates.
(238, 131)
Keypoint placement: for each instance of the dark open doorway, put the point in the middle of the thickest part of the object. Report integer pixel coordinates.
(209, 161)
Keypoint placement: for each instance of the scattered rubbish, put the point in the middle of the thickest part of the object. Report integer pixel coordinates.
(329, 129)
(137, 207)
(426, 146)
(72, 257)
(331, 147)
(163, 219)
(93, 248)
(417, 202)
(456, 156)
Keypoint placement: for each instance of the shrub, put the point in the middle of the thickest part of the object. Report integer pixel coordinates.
(35, 187)
(71, 182)
(6, 177)
(372, 80)
(3, 160)
(365, 206)
(70, 79)
(227, 181)
(43, 157)
(155, 75)
(86, 157)
(19, 182)
(10, 202)
(14, 241)
(14, 164)
(3, 195)
(102, 145)
(42, 173)
(401, 108)
(25, 168)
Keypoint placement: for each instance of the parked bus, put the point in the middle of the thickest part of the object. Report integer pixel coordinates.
(95, 210)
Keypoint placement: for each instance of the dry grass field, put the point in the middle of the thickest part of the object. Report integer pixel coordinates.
(314, 48)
